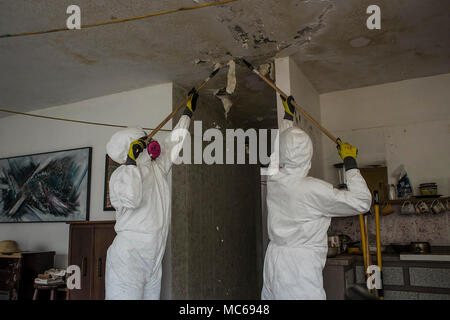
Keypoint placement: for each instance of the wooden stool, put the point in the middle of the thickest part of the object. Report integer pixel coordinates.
(51, 287)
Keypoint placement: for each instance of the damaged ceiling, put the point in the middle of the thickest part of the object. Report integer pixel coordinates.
(328, 40)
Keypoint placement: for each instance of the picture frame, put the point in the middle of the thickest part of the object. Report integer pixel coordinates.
(46, 187)
(110, 166)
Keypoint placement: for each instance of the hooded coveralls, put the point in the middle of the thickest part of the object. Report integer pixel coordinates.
(299, 214)
(141, 196)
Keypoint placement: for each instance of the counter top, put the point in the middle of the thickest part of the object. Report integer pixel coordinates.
(346, 259)
(342, 260)
(425, 257)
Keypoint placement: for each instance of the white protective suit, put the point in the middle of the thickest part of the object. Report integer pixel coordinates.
(299, 214)
(141, 196)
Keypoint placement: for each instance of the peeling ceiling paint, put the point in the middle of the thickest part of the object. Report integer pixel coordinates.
(59, 68)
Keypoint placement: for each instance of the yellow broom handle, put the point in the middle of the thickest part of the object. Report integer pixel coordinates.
(300, 109)
(378, 231)
(363, 241)
(182, 104)
(377, 222)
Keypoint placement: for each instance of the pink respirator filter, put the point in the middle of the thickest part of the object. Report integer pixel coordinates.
(154, 149)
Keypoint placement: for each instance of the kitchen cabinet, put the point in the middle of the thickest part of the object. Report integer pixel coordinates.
(88, 245)
(415, 278)
(338, 275)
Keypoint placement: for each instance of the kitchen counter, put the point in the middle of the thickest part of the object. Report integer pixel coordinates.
(437, 254)
(342, 260)
(421, 277)
(425, 257)
(347, 259)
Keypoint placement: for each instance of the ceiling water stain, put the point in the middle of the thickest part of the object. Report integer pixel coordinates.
(305, 35)
(240, 35)
(302, 32)
(261, 38)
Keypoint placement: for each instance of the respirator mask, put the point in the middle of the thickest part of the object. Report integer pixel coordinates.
(153, 149)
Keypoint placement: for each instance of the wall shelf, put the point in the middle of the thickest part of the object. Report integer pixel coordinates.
(415, 200)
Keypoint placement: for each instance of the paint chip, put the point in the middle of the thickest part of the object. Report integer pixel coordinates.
(226, 101)
(199, 61)
(231, 77)
(267, 69)
(264, 68)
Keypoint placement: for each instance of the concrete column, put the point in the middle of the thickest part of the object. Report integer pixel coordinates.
(216, 211)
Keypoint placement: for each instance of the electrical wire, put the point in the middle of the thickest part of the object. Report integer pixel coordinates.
(72, 120)
(204, 5)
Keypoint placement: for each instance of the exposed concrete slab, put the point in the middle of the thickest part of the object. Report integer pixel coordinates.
(343, 53)
(325, 37)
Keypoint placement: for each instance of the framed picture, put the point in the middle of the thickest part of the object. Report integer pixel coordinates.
(110, 166)
(46, 187)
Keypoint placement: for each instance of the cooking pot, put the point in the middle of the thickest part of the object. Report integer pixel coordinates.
(420, 247)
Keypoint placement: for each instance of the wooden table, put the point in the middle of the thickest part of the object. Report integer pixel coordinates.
(51, 287)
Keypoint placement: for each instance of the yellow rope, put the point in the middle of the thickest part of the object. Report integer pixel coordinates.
(71, 120)
(204, 5)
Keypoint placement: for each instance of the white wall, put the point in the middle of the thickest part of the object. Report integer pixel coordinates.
(291, 80)
(20, 135)
(405, 122)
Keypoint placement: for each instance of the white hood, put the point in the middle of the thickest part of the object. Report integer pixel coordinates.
(296, 150)
(119, 144)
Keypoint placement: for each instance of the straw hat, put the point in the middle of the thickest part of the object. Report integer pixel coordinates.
(9, 246)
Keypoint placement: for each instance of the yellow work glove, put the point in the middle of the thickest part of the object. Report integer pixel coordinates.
(348, 154)
(191, 104)
(289, 108)
(136, 147)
